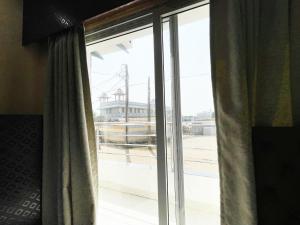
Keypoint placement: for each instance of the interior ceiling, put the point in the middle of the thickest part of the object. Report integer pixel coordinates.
(44, 18)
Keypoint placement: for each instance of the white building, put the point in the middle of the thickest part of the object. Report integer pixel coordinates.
(115, 110)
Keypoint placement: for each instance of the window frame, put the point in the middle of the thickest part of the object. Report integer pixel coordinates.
(155, 18)
(137, 21)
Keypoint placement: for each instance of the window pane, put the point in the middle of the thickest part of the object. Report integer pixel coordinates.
(201, 173)
(199, 144)
(123, 96)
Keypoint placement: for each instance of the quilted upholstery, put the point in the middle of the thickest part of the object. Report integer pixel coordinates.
(20, 169)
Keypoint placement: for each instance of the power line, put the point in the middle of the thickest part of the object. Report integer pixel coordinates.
(113, 87)
(101, 73)
(105, 81)
(136, 84)
(101, 83)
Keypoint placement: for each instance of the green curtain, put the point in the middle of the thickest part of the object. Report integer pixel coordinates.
(69, 193)
(255, 51)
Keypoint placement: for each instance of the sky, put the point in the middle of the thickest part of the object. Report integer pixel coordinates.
(107, 74)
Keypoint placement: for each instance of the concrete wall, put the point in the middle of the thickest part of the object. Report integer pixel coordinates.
(22, 69)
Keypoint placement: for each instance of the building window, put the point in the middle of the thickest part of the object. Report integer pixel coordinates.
(158, 159)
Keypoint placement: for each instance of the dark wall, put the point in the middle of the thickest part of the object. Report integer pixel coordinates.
(277, 172)
(22, 69)
(21, 144)
(42, 18)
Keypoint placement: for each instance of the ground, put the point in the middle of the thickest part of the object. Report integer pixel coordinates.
(128, 184)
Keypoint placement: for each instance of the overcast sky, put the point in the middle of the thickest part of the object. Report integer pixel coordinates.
(196, 91)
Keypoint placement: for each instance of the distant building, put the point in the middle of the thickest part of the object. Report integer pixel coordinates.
(205, 115)
(206, 128)
(115, 110)
(188, 118)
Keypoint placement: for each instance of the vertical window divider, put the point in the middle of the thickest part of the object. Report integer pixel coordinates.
(162, 169)
(176, 120)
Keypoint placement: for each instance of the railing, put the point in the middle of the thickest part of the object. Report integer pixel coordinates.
(146, 139)
(203, 161)
(114, 134)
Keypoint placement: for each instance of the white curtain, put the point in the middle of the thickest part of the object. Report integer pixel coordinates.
(69, 193)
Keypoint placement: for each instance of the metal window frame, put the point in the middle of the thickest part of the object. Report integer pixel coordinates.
(155, 18)
(162, 168)
(176, 119)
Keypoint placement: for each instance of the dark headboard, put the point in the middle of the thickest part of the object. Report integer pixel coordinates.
(20, 169)
(277, 171)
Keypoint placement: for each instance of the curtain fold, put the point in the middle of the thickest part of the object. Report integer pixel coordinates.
(255, 53)
(69, 195)
(231, 95)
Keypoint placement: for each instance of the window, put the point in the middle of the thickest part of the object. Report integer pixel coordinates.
(191, 129)
(158, 155)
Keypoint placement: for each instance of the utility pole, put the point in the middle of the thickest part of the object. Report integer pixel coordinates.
(149, 115)
(126, 110)
(126, 101)
(99, 107)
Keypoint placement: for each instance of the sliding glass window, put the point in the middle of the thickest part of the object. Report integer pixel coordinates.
(122, 84)
(192, 146)
(154, 119)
